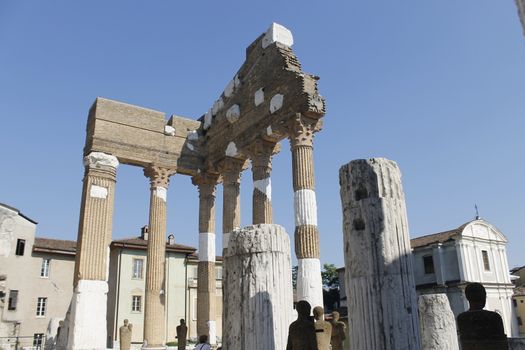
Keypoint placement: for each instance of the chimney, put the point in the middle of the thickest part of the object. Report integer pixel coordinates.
(144, 232)
(171, 239)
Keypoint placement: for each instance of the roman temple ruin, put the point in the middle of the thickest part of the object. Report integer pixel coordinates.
(269, 99)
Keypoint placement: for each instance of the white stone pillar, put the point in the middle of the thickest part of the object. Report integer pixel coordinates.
(437, 323)
(382, 304)
(258, 293)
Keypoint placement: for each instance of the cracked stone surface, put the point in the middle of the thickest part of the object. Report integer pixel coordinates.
(437, 323)
(258, 294)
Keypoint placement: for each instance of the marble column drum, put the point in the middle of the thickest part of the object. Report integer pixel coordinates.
(379, 279)
(87, 313)
(307, 250)
(154, 316)
(206, 288)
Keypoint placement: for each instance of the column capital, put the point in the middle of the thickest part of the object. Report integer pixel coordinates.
(100, 160)
(230, 168)
(261, 152)
(159, 176)
(301, 130)
(205, 178)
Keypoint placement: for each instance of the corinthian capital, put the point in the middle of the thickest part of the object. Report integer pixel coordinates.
(159, 176)
(261, 152)
(301, 130)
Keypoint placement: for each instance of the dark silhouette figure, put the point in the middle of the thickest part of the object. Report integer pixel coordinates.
(301, 334)
(478, 328)
(182, 332)
(203, 343)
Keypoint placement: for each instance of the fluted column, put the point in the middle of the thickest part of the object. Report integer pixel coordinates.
(87, 314)
(261, 153)
(230, 169)
(154, 321)
(206, 296)
(309, 283)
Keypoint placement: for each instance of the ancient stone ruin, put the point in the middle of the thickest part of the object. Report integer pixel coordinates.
(269, 99)
(382, 305)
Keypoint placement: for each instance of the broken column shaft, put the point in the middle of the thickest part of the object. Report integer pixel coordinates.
(382, 306)
(258, 291)
(154, 328)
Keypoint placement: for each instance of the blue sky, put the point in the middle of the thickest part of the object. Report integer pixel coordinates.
(436, 86)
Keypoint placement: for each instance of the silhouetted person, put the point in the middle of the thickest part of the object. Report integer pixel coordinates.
(301, 334)
(203, 343)
(323, 329)
(182, 332)
(478, 328)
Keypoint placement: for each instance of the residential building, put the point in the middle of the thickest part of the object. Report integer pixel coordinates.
(474, 252)
(127, 278)
(518, 299)
(37, 281)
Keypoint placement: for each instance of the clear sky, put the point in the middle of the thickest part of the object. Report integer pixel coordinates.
(437, 86)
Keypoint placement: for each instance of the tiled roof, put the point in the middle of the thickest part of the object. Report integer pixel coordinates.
(139, 243)
(57, 246)
(195, 256)
(436, 237)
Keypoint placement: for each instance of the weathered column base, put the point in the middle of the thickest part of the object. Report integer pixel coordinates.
(87, 318)
(258, 295)
(437, 323)
(309, 282)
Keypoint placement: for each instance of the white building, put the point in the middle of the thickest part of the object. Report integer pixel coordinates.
(474, 252)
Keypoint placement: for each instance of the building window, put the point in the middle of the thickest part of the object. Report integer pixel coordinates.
(41, 307)
(428, 263)
(514, 302)
(520, 322)
(20, 246)
(138, 267)
(44, 270)
(136, 303)
(38, 339)
(218, 273)
(486, 263)
(13, 300)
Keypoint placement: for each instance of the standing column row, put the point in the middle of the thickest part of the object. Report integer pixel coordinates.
(206, 306)
(309, 282)
(87, 314)
(154, 320)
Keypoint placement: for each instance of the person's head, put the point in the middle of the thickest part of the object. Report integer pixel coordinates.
(303, 309)
(126, 322)
(335, 316)
(318, 313)
(182, 321)
(476, 296)
(203, 339)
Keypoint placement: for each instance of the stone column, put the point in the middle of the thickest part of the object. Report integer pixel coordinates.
(261, 154)
(258, 293)
(230, 169)
(437, 323)
(86, 318)
(206, 310)
(379, 279)
(154, 320)
(309, 283)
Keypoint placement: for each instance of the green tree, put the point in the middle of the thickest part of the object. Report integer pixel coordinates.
(294, 277)
(330, 276)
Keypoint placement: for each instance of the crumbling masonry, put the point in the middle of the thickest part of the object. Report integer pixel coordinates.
(269, 99)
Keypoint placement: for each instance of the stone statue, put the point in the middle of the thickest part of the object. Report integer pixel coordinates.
(125, 335)
(182, 332)
(323, 329)
(478, 328)
(338, 332)
(301, 334)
